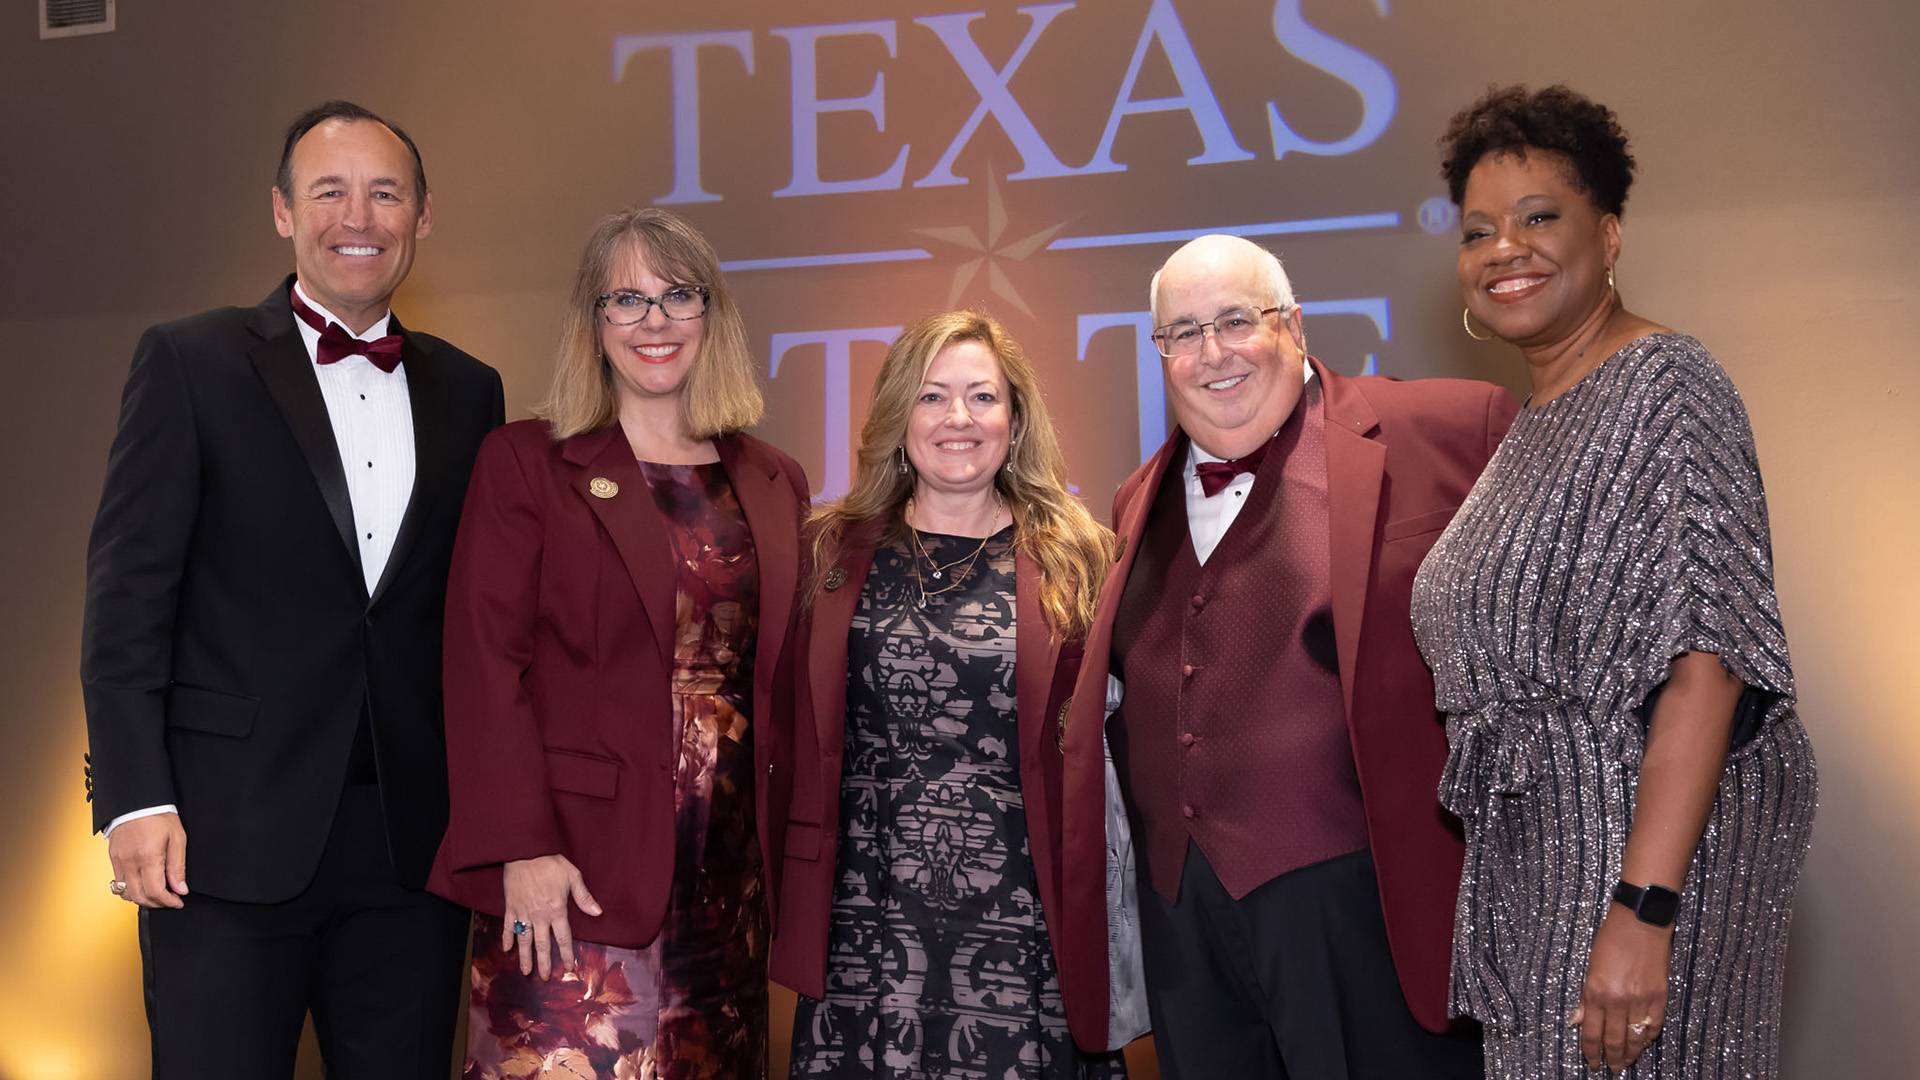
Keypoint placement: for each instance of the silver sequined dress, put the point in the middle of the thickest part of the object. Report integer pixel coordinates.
(1619, 525)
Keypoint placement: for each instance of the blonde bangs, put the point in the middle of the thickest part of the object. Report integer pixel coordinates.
(721, 395)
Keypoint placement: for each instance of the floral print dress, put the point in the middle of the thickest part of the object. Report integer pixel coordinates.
(693, 1004)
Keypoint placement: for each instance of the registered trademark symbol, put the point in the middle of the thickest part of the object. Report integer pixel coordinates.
(1437, 215)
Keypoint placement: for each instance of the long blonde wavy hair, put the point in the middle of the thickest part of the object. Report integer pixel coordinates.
(1050, 526)
(720, 396)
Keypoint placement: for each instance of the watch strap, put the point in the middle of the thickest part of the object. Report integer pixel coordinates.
(1655, 905)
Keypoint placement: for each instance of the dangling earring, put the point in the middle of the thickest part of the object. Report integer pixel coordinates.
(1610, 287)
(905, 469)
(1007, 465)
(1469, 328)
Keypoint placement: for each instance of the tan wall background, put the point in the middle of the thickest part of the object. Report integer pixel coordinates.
(1777, 218)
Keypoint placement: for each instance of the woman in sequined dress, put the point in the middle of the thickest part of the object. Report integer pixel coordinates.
(1636, 786)
(621, 614)
(949, 591)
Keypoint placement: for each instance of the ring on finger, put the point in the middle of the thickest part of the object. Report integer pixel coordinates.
(1639, 1027)
(520, 928)
(117, 887)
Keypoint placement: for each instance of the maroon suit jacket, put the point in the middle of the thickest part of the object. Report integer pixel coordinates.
(1043, 675)
(1400, 458)
(561, 737)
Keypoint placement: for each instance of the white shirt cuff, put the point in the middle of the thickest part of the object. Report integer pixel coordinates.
(150, 811)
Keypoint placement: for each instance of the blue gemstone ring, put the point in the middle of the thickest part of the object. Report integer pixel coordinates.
(520, 928)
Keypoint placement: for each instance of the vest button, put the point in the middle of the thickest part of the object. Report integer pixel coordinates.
(1187, 670)
(1199, 601)
(1186, 738)
(1188, 812)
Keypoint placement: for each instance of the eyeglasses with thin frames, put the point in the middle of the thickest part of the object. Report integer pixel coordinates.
(1184, 337)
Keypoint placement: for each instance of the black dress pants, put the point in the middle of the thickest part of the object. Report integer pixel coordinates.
(1292, 982)
(228, 985)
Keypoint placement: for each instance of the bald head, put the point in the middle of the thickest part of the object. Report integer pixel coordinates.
(1230, 389)
(1218, 254)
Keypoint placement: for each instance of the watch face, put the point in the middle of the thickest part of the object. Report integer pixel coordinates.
(1659, 905)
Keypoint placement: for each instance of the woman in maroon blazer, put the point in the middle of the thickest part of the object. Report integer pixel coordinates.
(949, 591)
(619, 623)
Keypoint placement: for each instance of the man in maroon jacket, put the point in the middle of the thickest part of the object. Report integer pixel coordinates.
(1276, 739)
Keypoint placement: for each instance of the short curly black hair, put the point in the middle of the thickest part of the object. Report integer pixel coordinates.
(1515, 120)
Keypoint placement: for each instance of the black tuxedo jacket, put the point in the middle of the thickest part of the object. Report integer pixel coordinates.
(230, 644)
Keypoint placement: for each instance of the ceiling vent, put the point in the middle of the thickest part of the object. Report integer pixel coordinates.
(68, 18)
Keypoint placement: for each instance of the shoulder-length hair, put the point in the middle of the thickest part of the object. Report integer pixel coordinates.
(720, 395)
(1051, 526)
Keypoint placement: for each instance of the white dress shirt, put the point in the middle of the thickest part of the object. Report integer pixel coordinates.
(372, 421)
(373, 429)
(1209, 517)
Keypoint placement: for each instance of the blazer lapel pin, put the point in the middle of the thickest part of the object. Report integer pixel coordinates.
(602, 488)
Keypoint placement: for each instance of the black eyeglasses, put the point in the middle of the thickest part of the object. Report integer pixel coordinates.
(624, 307)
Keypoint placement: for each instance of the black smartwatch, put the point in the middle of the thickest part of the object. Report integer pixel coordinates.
(1652, 904)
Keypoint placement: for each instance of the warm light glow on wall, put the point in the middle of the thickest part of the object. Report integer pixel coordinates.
(77, 950)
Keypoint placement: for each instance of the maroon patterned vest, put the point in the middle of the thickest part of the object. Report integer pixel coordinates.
(1232, 732)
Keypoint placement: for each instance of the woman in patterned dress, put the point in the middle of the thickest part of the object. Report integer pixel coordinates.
(621, 612)
(949, 591)
(1636, 786)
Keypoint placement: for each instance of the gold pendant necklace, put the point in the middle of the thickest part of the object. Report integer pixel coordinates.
(936, 569)
(920, 585)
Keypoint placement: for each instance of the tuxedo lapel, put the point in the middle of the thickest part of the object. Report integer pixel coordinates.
(284, 367)
(432, 459)
(1081, 941)
(771, 513)
(1356, 464)
(1088, 705)
(609, 481)
(1133, 517)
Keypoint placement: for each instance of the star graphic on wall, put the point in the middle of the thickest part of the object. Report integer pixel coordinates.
(990, 253)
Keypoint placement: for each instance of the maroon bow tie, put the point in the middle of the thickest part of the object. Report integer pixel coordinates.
(336, 344)
(1216, 475)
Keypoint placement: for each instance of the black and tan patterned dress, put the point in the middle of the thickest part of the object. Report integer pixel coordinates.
(938, 961)
(693, 1005)
(1618, 526)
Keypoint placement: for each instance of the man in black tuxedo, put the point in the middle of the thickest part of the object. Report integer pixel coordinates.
(261, 653)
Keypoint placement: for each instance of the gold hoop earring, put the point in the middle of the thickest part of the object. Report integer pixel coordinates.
(1468, 327)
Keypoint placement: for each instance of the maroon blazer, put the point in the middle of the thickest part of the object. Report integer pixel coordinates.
(561, 737)
(1043, 675)
(1400, 458)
